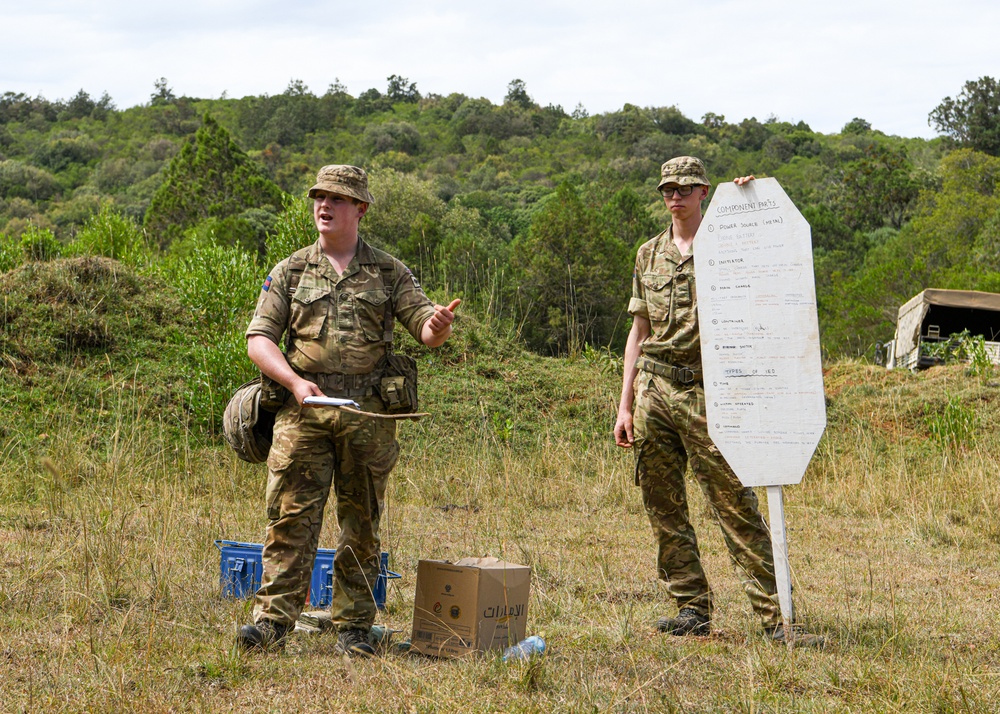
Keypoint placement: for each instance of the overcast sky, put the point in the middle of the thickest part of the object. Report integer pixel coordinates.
(824, 63)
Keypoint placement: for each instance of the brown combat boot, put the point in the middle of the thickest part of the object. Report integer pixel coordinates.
(263, 636)
(796, 634)
(355, 643)
(688, 622)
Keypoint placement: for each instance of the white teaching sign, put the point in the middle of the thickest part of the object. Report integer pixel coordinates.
(760, 347)
(760, 352)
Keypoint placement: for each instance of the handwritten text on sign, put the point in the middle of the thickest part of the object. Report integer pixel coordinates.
(759, 334)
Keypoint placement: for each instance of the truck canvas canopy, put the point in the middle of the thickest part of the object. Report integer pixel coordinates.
(933, 315)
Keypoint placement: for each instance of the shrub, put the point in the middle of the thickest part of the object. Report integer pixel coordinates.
(954, 426)
(248, 230)
(219, 286)
(39, 244)
(392, 136)
(219, 283)
(112, 235)
(10, 253)
(60, 153)
(963, 347)
(293, 229)
(22, 180)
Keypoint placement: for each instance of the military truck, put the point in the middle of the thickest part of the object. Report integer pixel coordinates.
(932, 316)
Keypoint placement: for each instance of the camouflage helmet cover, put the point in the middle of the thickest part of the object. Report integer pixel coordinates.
(344, 180)
(246, 426)
(683, 171)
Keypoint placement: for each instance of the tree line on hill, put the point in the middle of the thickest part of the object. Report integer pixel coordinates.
(531, 213)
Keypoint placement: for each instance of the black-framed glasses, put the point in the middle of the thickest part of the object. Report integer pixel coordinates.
(668, 192)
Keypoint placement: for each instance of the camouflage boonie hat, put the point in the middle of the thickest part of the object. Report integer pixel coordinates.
(345, 180)
(683, 171)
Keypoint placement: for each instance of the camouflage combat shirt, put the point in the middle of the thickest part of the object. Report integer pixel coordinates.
(336, 324)
(663, 291)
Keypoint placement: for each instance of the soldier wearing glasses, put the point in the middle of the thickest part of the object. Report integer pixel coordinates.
(662, 416)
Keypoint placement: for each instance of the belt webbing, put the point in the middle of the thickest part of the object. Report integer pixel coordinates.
(346, 385)
(681, 375)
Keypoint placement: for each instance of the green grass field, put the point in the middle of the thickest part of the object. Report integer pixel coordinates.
(109, 580)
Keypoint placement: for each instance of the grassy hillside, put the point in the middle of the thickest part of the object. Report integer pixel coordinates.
(111, 496)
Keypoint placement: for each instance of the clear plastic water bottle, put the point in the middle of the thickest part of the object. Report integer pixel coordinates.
(379, 634)
(525, 649)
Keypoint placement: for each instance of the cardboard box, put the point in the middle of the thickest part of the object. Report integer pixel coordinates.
(473, 605)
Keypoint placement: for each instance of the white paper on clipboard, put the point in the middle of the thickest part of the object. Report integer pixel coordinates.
(331, 402)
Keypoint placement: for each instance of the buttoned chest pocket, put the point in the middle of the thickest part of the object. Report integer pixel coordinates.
(370, 307)
(657, 289)
(310, 306)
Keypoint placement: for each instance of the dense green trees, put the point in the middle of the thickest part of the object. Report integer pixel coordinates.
(950, 243)
(878, 189)
(972, 118)
(21, 180)
(286, 119)
(525, 211)
(572, 276)
(211, 178)
(517, 94)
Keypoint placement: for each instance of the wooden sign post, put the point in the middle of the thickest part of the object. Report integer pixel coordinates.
(760, 345)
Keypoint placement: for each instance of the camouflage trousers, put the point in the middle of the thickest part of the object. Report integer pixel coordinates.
(314, 449)
(670, 430)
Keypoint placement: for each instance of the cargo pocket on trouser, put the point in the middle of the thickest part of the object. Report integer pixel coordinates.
(640, 416)
(638, 445)
(277, 477)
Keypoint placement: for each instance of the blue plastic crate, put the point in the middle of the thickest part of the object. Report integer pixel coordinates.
(241, 568)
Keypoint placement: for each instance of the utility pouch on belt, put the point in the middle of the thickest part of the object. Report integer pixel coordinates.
(399, 384)
(272, 394)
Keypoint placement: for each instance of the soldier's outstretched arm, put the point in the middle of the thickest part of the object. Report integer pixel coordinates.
(437, 329)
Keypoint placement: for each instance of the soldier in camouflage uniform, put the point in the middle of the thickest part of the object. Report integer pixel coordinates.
(334, 302)
(662, 415)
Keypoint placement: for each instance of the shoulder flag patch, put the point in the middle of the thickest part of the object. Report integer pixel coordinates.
(267, 284)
